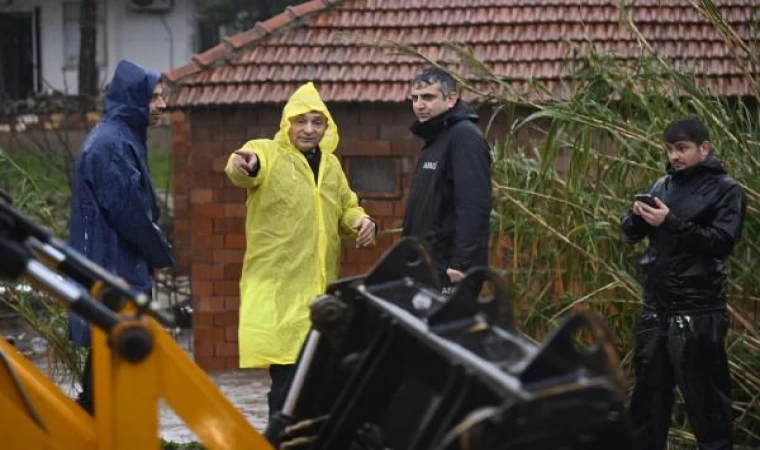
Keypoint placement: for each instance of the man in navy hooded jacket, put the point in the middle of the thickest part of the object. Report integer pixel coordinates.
(114, 215)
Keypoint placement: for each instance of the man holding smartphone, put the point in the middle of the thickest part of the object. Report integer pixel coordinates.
(693, 218)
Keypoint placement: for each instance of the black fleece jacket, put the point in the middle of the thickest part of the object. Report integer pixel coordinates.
(684, 266)
(450, 199)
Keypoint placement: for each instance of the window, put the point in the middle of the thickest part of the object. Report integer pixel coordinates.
(19, 53)
(374, 176)
(71, 12)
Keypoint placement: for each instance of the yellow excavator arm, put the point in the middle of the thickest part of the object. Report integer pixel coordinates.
(390, 363)
(137, 363)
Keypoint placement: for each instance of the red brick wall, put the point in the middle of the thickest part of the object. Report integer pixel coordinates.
(210, 211)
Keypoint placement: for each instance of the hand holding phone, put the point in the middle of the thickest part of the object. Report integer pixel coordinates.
(647, 199)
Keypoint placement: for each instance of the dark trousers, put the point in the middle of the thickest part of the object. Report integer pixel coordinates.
(85, 398)
(281, 375)
(684, 350)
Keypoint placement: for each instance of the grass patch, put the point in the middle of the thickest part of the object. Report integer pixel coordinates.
(160, 163)
(50, 177)
(47, 176)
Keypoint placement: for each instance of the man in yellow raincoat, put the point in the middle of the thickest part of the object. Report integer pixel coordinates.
(299, 205)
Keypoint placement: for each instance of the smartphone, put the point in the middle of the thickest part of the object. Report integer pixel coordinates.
(647, 198)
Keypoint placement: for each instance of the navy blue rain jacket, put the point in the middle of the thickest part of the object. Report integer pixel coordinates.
(114, 215)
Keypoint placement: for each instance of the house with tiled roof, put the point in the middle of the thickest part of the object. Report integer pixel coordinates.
(39, 41)
(235, 91)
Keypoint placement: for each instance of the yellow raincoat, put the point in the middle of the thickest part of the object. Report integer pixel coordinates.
(293, 230)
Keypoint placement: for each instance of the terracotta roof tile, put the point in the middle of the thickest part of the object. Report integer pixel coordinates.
(308, 8)
(181, 72)
(214, 56)
(244, 39)
(331, 43)
(278, 21)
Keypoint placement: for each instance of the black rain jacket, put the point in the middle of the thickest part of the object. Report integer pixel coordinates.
(450, 199)
(684, 266)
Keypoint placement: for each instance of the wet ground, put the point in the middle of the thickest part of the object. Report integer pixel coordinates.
(246, 389)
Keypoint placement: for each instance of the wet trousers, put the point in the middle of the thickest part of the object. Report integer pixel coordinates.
(684, 350)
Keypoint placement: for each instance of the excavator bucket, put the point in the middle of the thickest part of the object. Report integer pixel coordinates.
(390, 363)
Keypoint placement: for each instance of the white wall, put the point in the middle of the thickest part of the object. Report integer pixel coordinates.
(142, 38)
(145, 38)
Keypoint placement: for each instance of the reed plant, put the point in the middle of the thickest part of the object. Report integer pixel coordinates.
(44, 315)
(574, 155)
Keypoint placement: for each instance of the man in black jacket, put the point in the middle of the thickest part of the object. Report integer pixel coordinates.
(694, 224)
(450, 199)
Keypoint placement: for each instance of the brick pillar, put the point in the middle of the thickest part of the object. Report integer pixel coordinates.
(181, 224)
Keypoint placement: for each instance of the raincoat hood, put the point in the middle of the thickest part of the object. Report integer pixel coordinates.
(304, 100)
(129, 94)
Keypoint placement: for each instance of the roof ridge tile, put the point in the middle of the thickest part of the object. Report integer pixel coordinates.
(232, 45)
(213, 56)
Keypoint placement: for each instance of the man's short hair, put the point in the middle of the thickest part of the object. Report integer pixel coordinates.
(688, 129)
(433, 75)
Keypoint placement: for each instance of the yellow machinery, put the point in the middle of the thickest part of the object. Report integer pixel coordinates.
(136, 362)
(389, 363)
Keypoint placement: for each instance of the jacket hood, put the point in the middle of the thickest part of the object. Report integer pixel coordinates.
(129, 95)
(304, 100)
(710, 164)
(429, 129)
